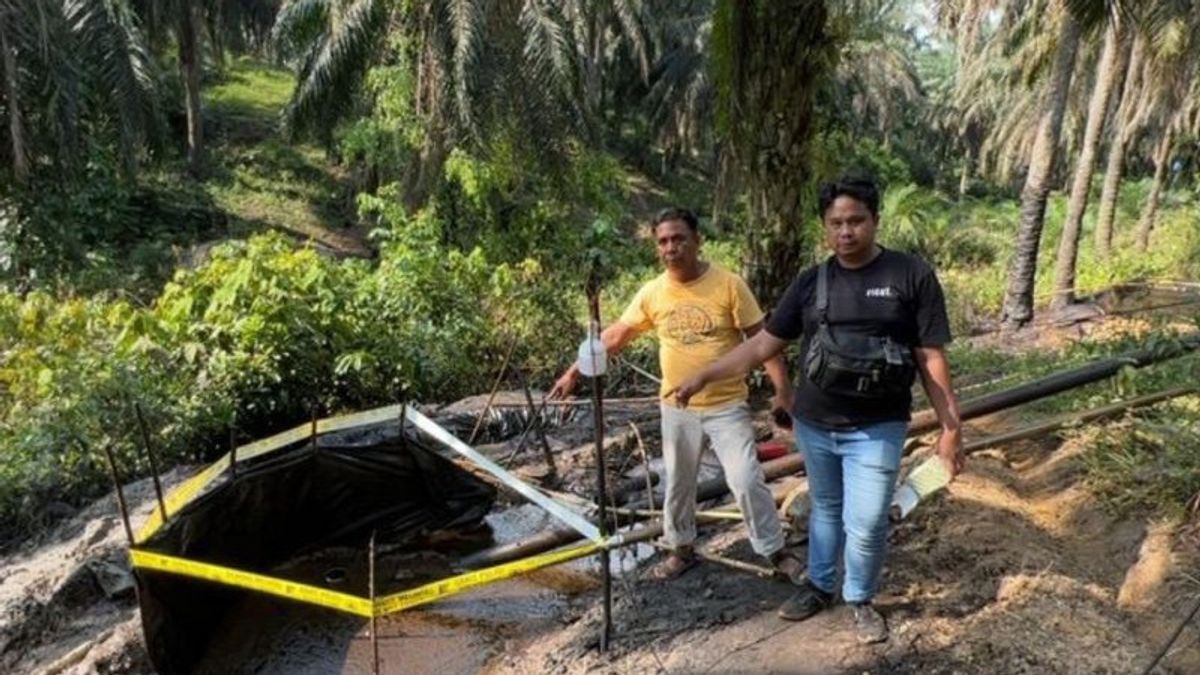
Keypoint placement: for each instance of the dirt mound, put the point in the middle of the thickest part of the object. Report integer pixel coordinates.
(67, 601)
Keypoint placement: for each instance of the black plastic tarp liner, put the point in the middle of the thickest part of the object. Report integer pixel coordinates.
(296, 500)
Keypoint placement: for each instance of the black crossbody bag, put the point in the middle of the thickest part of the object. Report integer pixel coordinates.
(855, 365)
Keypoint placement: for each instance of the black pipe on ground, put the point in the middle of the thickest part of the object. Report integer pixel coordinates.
(922, 422)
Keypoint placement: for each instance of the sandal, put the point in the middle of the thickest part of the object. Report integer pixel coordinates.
(675, 564)
(789, 566)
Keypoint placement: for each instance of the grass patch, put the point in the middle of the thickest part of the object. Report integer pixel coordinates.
(1149, 464)
(250, 89)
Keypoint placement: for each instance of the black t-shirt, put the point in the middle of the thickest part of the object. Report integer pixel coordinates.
(895, 295)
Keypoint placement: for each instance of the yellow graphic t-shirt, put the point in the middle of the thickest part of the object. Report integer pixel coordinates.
(697, 323)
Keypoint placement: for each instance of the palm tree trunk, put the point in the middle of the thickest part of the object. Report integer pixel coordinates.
(1162, 156)
(771, 56)
(12, 96)
(1123, 132)
(964, 175)
(1108, 197)
(1110, 74)
(189, 68)
(1018, 298)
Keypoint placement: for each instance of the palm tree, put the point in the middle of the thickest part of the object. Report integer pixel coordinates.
(1125, 128)
(1178, 114)
(1017, 309)
(554, 53)
(1167, 67)
(770, 58)
(1110, 76)
(56, 54)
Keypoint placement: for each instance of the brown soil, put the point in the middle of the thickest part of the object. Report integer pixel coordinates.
(1014, 570)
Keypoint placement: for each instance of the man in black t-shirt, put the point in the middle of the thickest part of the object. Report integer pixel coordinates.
(852, 438)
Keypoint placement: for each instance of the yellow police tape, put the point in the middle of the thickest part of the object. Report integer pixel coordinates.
(353, 604)
(439, 589)
(228, 576)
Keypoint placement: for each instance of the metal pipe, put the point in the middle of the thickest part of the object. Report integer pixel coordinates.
(926, 420)
(158, 492)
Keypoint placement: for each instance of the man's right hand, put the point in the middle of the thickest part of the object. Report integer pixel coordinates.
(689, 388)
(565, 385)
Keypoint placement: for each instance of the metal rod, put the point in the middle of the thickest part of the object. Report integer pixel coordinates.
(637, 434)
(601, 485)
(158, 492)
(749, 568)
(641, 371)
(116, 479)
(233, 450)
(492, 396)
(525, 434)
(313, 431)
(371, 592)
(535, 419)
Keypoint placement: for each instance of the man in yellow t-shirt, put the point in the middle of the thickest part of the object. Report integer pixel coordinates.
(700, 312)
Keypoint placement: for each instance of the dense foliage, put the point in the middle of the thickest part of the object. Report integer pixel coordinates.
(411, 191)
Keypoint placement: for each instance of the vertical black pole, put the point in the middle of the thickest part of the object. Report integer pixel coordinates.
(313, 432)
(141, 420)
(602, 497)
(371, 591)
(116, 479)
(232, 450)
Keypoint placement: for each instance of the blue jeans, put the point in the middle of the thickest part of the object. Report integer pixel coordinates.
(851, 477)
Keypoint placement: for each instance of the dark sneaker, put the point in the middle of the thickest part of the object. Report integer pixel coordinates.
(869, 625)
(807, 601)
(789, 566)
(676, 563)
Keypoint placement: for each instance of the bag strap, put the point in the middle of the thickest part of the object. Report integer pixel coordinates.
(823, 293)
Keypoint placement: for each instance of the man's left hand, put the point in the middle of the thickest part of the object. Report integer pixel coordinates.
(950, 449)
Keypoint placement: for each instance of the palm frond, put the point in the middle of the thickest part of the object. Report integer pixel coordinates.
(334, 66)
(465, 22)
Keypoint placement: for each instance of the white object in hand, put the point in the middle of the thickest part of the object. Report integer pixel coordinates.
(593, 358)
(921, 482)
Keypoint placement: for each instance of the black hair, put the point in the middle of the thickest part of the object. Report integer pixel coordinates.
(677, 213)
(862, 189)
